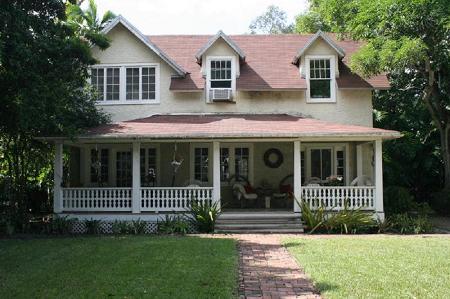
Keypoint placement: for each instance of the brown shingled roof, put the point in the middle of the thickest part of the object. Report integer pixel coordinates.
(268, 63)
(233, 126)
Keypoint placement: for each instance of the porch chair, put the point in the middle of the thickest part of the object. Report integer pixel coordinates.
(193, 183)
(242, 195)
(313, 181)
(362, 180)
(285, 195)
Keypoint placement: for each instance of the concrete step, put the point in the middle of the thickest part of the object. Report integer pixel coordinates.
(262, 231)
(256, 221)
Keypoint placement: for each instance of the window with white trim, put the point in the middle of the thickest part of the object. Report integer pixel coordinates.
(241, 163)
(321, 163)
(220, 73)
(126, 84)
(201, 164)
(320, 75)
(112, 84)
(148, 165)
(124, 171)
(99, 166)
(320, 78)
(224, 164)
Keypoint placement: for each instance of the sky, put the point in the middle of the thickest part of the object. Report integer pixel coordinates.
(196, 16)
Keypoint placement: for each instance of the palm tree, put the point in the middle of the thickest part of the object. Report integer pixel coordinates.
(87, 23)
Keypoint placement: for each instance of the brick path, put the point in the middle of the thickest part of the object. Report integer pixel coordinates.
(267, 270)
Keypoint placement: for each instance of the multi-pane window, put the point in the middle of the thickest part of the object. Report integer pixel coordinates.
(148, 83)
(241, 161)
(135, 84)
(99, 166)
(221, 73)
(224, 164)
(340, 165)
(112, 84)
(123, 169)
(321, 163)
(320, 78)
(98, 82)
(201, 164)
(148, 167)
(132, 90)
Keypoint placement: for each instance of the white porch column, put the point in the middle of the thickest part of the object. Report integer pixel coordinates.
(136, 192)
(359, 162)
(297, 176)
(216, 172)
(379, 179)
(57, 179)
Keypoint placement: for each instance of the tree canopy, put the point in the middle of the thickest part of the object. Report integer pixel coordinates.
(273, 21)
(43, 79)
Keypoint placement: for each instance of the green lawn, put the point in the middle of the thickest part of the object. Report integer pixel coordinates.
(376, 266)
(120, 267)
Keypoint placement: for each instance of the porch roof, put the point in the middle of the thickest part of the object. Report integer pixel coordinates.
(198, 126)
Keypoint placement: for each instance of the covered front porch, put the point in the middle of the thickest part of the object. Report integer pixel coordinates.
(148, 177)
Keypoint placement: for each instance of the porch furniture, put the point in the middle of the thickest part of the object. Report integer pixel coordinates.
(265, 192)
(286, 191)
(243, 196)
(362, 180)
(193, 183)
(313, 180)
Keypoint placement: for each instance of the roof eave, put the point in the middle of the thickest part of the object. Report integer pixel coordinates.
(324, 36)
(120, 19)
(212, 40)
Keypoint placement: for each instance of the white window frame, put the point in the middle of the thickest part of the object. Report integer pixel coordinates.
(208, 72)
(334, 148)
(193, 146)
(123, 77)
(158, 159)
(332, 98)
(231, 150)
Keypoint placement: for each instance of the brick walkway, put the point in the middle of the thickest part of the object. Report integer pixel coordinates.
(267, 270)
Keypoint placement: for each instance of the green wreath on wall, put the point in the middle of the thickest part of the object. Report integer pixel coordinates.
(273, 158)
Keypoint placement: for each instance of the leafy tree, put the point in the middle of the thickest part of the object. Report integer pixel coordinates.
(43, 79)
(407, 39)
(273, 21)
(86, 23)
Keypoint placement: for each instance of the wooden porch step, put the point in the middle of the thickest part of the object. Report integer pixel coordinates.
(259, 222)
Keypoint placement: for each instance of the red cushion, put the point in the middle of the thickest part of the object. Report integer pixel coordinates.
(286, 188)
(249, 189)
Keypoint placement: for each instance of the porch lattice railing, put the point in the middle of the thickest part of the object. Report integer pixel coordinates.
(173, 199)
(334, 197)
(96, 199)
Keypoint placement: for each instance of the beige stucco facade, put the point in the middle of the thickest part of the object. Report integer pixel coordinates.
(352, 106)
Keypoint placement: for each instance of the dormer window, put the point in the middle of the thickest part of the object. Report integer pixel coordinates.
(220, 78)
(221, 73)
(320, 75)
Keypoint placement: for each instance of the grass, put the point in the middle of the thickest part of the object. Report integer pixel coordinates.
(118, 267)
(376, 266)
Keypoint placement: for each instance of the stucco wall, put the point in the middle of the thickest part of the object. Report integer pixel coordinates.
(351, 107)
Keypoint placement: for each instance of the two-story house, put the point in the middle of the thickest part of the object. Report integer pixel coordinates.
(244, 120)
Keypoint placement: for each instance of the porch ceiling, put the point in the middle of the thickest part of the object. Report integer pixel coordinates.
(197, 126)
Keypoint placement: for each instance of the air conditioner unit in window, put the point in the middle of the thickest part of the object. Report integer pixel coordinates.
(220, 94)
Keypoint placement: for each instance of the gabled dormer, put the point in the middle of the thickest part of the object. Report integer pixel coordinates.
(318, 62)
(220, 60)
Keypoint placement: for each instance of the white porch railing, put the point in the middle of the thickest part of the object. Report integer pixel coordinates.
(334, 197)
(173, 198)
(96, 199)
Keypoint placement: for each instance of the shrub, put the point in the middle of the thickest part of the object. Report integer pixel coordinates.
(137, 227)
(92, 226)
(62, 225)
(173, 225)
(440, 201)
(120, 227)
(398, 200)
(203, 215)
(407, 224)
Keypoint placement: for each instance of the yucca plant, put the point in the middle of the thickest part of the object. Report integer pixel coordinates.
(173, 225)
(349, 220)
(138, 226)
(203, 215)
(120, 227)
(313, 219)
